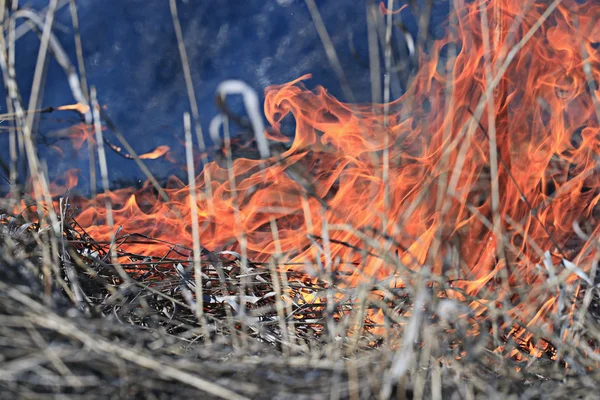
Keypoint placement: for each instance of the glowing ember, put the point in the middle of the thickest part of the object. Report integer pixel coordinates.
(420, 183)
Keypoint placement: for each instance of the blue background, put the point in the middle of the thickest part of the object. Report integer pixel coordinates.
(131, 56)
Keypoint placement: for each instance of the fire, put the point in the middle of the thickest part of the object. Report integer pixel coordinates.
(420, 183)
(80, 108)
(67, 181)
(156, 153)
(81, 133)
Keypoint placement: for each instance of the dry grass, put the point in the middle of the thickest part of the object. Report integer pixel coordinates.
(84, 330)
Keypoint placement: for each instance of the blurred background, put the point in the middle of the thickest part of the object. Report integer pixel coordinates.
(131, 57)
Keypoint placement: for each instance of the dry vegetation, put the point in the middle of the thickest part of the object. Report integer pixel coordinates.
(74, 324)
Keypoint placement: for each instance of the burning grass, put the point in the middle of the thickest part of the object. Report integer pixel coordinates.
(75, 324)
(442, 244)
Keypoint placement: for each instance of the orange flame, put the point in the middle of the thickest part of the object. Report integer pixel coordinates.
(156, 153)
(385, 11)
(80, 108)
(79, 134)
(415, 178)
(65, 182)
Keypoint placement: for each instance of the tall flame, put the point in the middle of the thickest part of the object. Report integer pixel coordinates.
(418, 178)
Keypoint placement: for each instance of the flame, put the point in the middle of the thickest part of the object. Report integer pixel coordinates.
(79, 134)
(80, 108)
(385, 11)
(156, 153)
(61, 184)
(415, 178)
